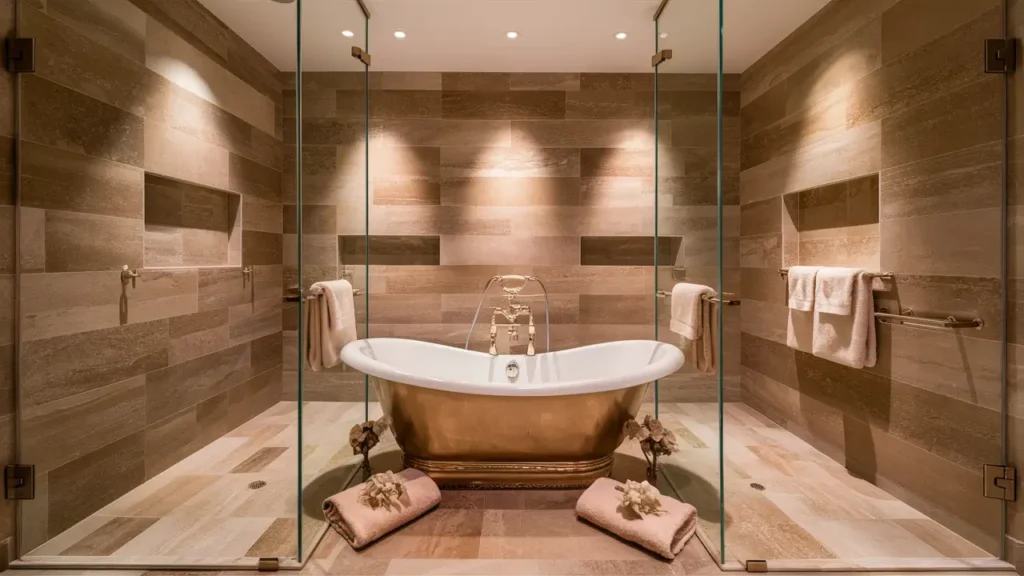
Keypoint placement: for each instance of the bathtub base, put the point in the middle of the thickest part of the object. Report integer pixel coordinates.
(519, 475)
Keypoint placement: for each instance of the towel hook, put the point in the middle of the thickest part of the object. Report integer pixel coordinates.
(129, 275)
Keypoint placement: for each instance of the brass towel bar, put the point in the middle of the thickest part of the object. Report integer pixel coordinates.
(886, 275)
(355, 292)
(726, 302)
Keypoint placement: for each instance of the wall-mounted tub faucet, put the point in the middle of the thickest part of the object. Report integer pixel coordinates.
(512, 285)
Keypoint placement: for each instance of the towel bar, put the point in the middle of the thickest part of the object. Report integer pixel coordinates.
(726, 302)
(908, 319)
(886, 275)
(355, 292)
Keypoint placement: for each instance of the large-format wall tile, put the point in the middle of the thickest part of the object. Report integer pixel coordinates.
(626, 81)
(898, 38)
(583, 134)
(250, 321)
(57, 179)
(970, 117)
(608, 309)
(957, 244)
(261, 247)
(115, 24)
(175, 59)
(404, 104)
(31, 238)
(489, 81)
(502, 162)
(66, 365)
(86, 484)
(437, 132)
(963, 180)
(60, 117)
(390, 250)
(545, 81)
(628, 250)
(316, 219)
(193, 335)
(601, 162)
(175, 388)
(502, 105)
(62, 430)
(169, 152)
(591, 104)
(510, 191)
(252, 178)
(75, 61)
(764, 217)
(222, 287)
(79, 242)
(410, 81)
(529, 250)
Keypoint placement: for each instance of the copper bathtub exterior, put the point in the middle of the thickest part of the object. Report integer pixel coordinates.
(480, 441)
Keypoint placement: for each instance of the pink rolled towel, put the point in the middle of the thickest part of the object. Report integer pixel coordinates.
(665, 534)
(360, 525)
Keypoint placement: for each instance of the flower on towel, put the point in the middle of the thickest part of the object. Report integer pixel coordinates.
(382, 490)
(640, 497)
(365, 436)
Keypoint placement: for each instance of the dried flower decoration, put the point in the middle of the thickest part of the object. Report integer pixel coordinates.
(365, 436)
(382, 490)
(640, 497)
(655, 440)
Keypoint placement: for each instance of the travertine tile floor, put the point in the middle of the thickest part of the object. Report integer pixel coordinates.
(812, 514)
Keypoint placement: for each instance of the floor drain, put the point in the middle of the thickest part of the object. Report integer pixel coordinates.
(257, 485)
(756, 486)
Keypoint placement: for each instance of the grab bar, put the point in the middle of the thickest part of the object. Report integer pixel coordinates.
(726, 302)
(908, 319)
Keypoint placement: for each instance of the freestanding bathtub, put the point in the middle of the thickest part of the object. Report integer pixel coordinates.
(461, 418)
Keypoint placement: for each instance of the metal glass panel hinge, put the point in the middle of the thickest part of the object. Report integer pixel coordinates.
(361, 55)
(660, 57)
(1000, 55)
(20, 54)
(1000, 482)
(20, 482)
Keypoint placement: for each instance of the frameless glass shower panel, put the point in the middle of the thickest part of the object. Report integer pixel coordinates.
(696, 214)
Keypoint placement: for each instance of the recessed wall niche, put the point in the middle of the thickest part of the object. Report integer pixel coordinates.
(191, 225)
(833, 225)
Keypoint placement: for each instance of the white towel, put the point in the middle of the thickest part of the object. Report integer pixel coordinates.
(833, 290)
(801, 287)
(848, 339)
(694, 317)
(330, 323)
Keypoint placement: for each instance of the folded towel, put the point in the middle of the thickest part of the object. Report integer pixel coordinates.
(360, 525)
(833, 290)
(694, 318)
(848, 339)
(330, 323)
(664, 534)
(801, 287)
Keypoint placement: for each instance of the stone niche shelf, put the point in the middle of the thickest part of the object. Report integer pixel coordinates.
(833, 225)
(188, 225)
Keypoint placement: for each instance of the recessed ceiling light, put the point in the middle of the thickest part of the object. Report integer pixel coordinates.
(663, 35)
(347, 33)
(621, 35)
(513, 35)
(399, 34)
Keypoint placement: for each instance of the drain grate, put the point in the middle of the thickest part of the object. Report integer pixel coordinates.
(756, 486)
(256, 485)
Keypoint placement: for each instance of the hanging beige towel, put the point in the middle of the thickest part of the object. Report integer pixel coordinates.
(330, 323)
(360, 524)
(847, 339)
(664, 534)
(695, 317)
(800, 325)
(833, 290)
(800, 281)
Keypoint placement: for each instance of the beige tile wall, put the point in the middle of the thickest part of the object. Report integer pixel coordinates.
(883, 98)
(120, 382)
(478, 174)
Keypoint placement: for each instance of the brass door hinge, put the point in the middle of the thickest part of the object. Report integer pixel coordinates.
(20, 54)
(361, 55)
(20, 482)
(660, 57)
(757, 565)
(1000, 482)
(1000, 55)
(269, 565)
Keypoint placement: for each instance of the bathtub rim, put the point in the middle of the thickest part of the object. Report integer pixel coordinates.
(353, 356)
